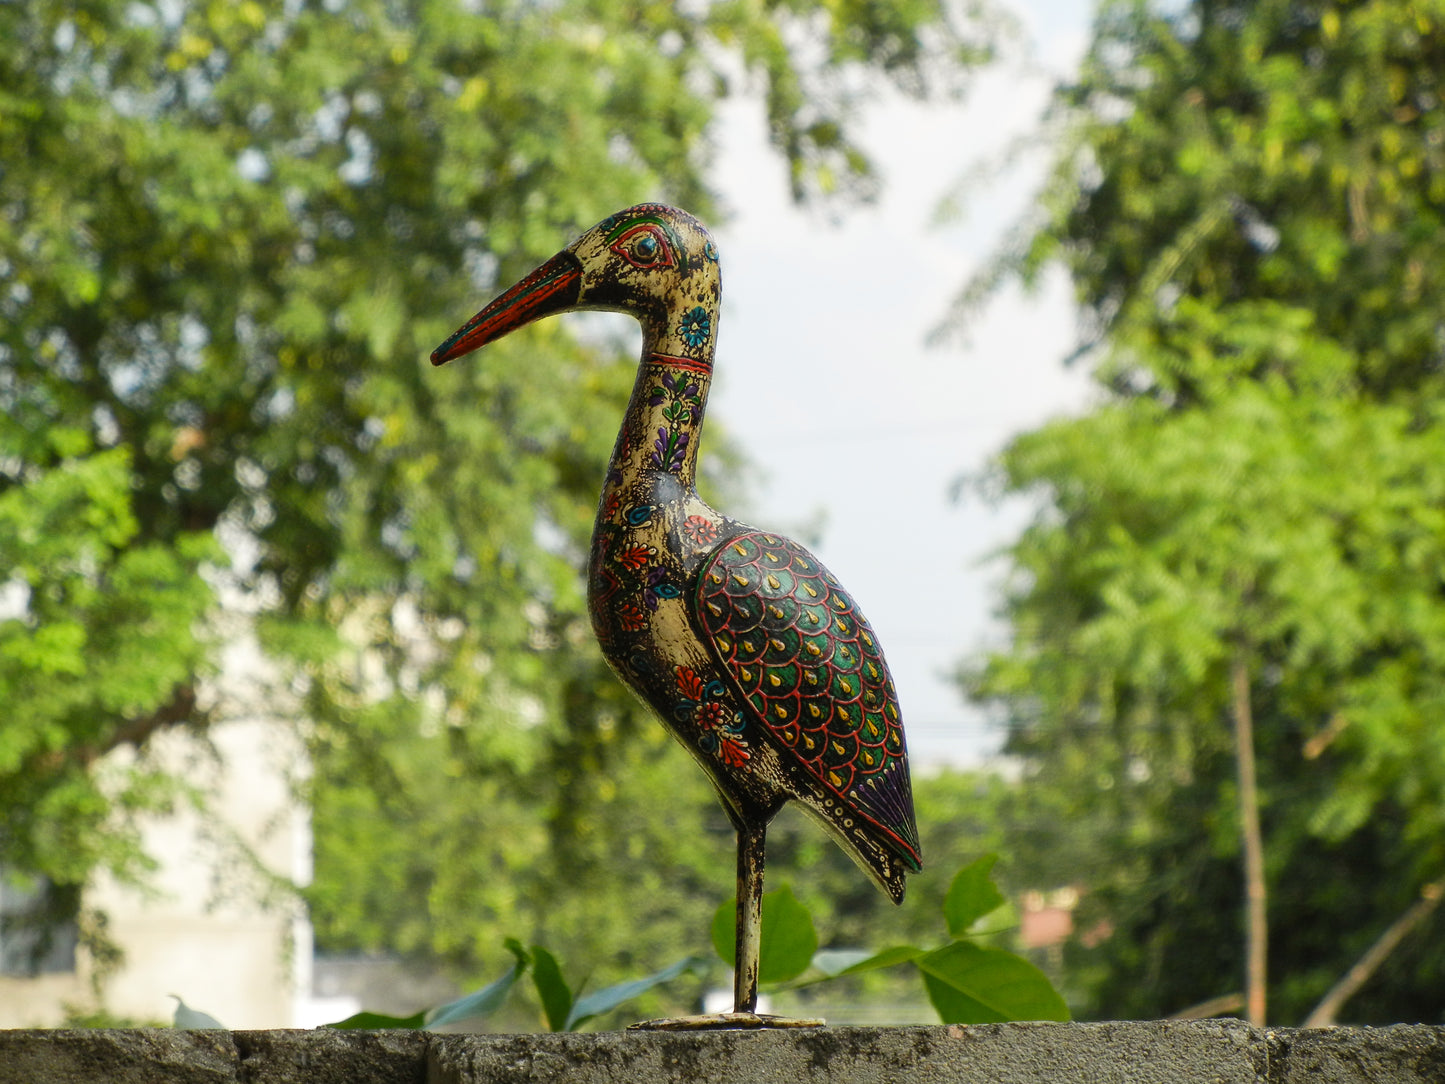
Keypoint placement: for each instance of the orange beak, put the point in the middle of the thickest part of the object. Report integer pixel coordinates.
(553, 287)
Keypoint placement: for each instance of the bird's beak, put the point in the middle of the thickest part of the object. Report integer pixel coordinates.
(553, 287)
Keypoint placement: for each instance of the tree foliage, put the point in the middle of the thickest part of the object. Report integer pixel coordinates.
(1250, 203)
(229, 234)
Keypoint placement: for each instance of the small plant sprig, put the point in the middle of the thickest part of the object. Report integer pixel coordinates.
(564, 1009)
(968, 983)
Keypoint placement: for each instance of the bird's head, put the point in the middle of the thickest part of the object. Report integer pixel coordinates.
(653, 262)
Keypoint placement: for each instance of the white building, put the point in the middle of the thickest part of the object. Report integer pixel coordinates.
(214, 923)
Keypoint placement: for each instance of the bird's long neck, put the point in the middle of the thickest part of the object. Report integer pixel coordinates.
(660, 433)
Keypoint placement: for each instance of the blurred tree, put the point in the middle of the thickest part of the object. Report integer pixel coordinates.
(1251, 526)
(229, 233)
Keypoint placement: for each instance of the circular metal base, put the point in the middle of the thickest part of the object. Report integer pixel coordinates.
(724, 1021)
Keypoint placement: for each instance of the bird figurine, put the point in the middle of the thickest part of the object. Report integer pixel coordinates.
(745, 647)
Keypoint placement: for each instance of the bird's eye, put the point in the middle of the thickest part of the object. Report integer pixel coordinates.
(643, 245)
(645, 249)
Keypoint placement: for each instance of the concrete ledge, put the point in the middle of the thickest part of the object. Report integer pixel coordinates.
(1146, 1052)
(1407, 1052)
(1217, 1052)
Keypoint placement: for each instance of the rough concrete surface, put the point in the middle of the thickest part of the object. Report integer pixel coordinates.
(1200, 1052)
(141, 1056)
(1345, 1055)
(1217, 1052)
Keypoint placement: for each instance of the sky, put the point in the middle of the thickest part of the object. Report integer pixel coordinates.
(858, 428)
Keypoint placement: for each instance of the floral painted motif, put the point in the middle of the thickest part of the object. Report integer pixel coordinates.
(611, 505)
(720, 727)
(614, 469)
(635, 557)
(628, 579)
(659, 588)
(680, 397)
(630, 616)
(691, 685)
(668, 449)
(699, 530)
(695, 327)
(631, 578)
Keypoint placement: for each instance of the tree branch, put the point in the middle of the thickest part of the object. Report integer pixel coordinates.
(1325, 1013)
(180, 708)
(1215, 1006)
(1321, 741)
(1256, 922)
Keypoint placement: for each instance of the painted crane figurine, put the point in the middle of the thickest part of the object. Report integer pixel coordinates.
(742, 643)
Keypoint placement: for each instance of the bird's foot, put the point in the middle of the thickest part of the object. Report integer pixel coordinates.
(725, 1021)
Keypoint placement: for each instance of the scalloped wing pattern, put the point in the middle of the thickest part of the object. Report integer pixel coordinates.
(807, 663)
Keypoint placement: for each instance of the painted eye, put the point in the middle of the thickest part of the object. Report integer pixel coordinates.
(645, 249)
(643, 245)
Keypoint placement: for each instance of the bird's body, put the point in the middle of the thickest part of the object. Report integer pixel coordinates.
(741, 642)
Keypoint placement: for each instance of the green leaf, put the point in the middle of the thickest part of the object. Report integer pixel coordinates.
(969, 984)
(971, 895)
(552, 988)
(485, 1001)
(788, 942)
(725, 932)
(374, 1021)
(606, 1000)
(833, 962)
(889, 957)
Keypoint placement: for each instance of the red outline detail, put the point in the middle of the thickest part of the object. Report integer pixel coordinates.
(692, 365)
(666, 257)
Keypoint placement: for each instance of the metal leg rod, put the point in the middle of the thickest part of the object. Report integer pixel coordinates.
(750, 918)
(749, 946)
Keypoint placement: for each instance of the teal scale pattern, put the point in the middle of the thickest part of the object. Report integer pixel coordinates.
(806, 661)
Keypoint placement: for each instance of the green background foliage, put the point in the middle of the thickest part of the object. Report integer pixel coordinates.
(966, 982)
(1249, 201)
(229, 235)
